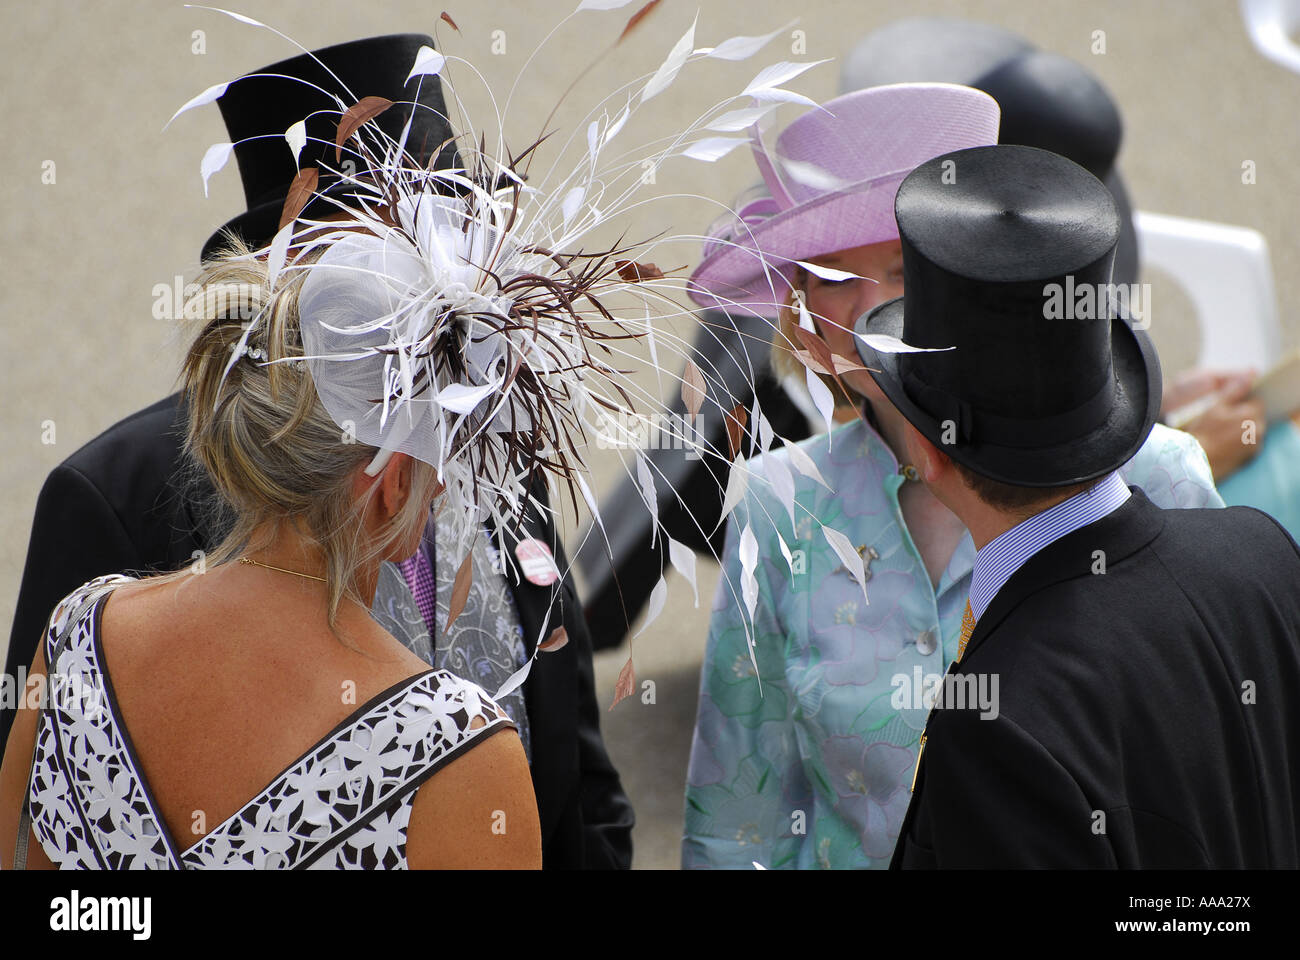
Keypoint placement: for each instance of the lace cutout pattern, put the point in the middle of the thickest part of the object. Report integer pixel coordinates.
(345, 804)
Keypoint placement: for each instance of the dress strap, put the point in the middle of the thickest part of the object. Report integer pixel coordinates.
(373, 760)
(82, 760)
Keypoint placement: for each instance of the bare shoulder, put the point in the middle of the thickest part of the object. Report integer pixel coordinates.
(478, 812)
(226, 620)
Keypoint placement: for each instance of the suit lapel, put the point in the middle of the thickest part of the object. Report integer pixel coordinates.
(534, 602)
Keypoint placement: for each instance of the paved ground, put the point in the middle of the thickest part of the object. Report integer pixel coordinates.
(89, 87)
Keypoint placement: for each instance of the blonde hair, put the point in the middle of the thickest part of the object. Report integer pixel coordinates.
(266, 441)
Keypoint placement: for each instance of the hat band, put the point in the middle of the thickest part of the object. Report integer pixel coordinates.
(846, 188)
(753, 215)
(980, 426)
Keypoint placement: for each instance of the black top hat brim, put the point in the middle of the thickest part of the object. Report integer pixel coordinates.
(258, 226)
(1075, 459)
(253, 227)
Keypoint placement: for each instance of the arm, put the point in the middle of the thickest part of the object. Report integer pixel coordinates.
(478, 812)
(858, 778)
(607, 817)
(15, 773)
(76, 537)
(1218, 429)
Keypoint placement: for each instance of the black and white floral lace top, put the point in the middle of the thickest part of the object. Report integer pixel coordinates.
(345, 803)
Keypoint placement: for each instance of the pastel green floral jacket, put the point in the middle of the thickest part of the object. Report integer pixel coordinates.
(814, 770)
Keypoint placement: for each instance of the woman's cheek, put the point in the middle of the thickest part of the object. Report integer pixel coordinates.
(860, 381)
(891, 290)
(881, 293)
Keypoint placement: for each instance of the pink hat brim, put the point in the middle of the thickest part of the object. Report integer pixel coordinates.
(756, 270)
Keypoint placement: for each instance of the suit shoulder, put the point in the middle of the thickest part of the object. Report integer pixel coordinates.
(135, 459)
(1236, 532)
(148, 433)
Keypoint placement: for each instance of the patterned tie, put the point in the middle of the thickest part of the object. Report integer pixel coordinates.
(967, 628)
(418, 573)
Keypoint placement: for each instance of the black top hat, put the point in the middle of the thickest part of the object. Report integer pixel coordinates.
(1047, 100)
(1007, 254)
(259, 107)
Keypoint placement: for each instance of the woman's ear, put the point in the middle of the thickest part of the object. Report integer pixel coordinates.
(394, 482)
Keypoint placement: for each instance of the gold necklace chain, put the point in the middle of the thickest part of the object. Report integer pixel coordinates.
(259, 563)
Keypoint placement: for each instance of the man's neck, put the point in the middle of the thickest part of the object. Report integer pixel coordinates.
(998, 559)
(986, 523)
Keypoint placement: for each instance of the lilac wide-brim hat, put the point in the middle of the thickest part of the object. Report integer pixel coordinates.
(832, 179)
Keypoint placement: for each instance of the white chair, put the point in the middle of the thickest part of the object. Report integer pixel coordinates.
(1227, 273)
(1271, 25)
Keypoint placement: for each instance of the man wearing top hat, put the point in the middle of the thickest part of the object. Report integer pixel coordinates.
(1145, 660)
(1046, 100)
(131, 501)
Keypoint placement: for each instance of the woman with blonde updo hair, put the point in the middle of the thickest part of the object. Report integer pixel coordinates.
(272, 722)
(273, 452)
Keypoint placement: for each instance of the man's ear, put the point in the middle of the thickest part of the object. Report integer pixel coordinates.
(931, 462)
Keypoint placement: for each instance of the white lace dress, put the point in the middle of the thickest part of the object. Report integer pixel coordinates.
(345, 803)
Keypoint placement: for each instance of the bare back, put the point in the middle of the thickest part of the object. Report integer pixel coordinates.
(224, 681)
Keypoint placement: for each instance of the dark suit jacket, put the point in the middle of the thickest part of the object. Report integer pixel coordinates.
(124, 503)
(1148, 715)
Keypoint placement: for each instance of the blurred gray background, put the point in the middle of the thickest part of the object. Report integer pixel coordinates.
(89, 86)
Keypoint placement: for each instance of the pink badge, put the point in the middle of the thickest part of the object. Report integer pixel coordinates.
(537, 562)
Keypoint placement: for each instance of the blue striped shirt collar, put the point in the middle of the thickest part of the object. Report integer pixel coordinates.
(998, 559)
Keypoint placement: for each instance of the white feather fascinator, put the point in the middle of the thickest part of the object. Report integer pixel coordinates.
(453, 315)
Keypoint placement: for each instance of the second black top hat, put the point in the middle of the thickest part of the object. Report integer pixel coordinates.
(260, 106)
(1047, 100)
